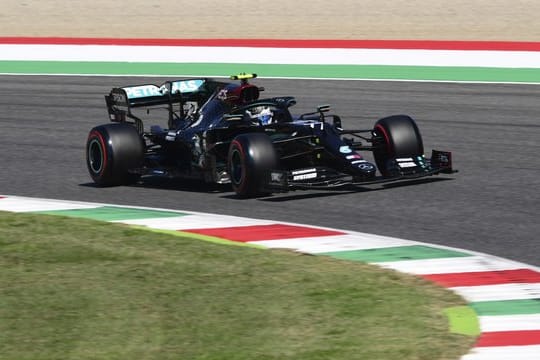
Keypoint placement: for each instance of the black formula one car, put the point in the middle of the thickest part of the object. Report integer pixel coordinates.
(223, 132)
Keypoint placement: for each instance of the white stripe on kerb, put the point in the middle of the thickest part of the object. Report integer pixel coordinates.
(452, 265)
(336, 243)
(499, 292)
(15, 204)
(196, 222)
(531, 352)
(244, 55)
(510, 323)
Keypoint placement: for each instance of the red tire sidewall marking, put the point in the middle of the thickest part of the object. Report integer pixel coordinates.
(242, 183)
(104, 154)
(382, 130)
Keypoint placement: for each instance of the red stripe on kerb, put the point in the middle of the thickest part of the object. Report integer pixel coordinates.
(264, 232)
(285, 43)
(485, 278)
(509, 338)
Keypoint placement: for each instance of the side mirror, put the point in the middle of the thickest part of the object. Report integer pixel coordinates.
(323, 108)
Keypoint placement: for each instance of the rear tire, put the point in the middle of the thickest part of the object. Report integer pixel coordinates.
(396, 137)
(111, 151)
(250, 158)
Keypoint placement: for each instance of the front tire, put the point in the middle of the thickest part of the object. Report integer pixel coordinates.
(249, 160)
(395, 137)
(111, 151)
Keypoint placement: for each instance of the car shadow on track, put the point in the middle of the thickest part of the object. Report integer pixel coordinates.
(175, 185)
(311, 194)
(224, 191)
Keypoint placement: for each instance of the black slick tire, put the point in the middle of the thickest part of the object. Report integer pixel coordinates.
(395, 137)
(111, 151)
(249, 160)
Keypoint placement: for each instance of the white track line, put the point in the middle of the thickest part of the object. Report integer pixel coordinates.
(291, 56)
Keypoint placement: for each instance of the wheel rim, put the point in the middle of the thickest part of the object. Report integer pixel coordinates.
(237, 167)
(95, 156)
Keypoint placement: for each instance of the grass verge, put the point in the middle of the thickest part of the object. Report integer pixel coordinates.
(81, 289)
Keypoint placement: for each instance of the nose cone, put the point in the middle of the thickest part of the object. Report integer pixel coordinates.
(364, 169)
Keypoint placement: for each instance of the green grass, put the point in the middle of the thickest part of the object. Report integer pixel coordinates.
(81, 289)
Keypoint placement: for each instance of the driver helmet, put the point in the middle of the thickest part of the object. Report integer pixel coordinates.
(262, 114)
(265, 116)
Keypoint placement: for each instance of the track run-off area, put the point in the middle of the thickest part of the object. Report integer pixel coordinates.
(506, 62)
(487, 115)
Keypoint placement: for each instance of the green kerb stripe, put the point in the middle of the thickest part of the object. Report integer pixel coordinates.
(507, 307)
(113, 213)
(428, 73)
(400, 253)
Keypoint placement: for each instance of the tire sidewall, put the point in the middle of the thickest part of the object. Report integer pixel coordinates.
(249, 159)
(119, 148)
(240, 177)
(96, 147)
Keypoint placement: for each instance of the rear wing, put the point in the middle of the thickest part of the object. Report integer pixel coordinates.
(152, 95)
(120, 101)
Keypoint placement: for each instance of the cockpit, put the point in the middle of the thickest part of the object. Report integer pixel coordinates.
(264, 112)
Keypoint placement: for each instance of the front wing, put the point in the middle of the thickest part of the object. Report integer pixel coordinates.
(327, 178)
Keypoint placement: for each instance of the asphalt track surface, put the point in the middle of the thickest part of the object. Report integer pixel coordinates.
(492, 205)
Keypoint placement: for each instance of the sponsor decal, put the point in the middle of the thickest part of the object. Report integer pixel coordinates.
(305, 176)
(186, 86)
(406, 162)
(365, 166)
(362, 164)
(171, 136)
(304, 171)
(443, 158)
(182, 86)
(276, 177)
(223, 94)
(119, 98)
(345, 149)
(422, 161)
(136, 92)
(354, 156)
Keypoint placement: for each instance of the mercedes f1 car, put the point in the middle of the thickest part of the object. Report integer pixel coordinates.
(223, 132)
